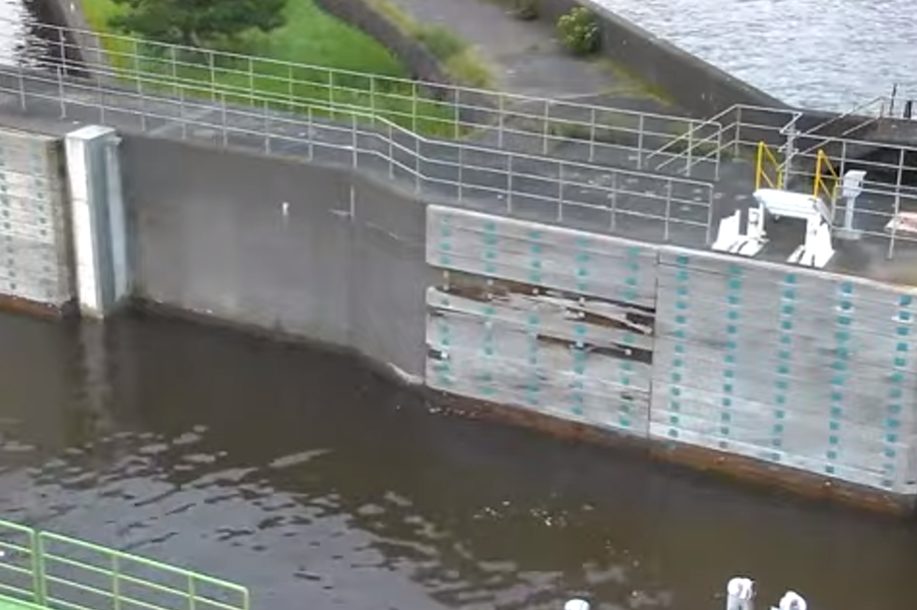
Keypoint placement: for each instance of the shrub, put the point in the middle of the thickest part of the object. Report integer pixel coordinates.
(579, 31)
(526, 10)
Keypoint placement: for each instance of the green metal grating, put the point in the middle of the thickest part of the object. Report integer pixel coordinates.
(45, 570)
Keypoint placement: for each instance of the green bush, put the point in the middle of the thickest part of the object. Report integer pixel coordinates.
(579, 31)
(526, 10)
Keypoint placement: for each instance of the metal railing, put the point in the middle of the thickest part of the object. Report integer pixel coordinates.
(61, 573)
(576, 131)
(473, 175)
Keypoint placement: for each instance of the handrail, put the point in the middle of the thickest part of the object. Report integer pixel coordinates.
(58, 567)
(479, 171)
(822, 163)
(407, 99)
(765, 154)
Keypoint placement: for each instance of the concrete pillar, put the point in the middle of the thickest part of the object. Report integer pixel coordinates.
(98, 221)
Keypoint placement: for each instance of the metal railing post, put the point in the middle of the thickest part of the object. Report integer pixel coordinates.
(560, 189)
(181, 113)
(391, 152)
(710, 200)
(592, 120)
(251, 79)
(223, 120)
(414, 107)
(142, 106)
(738, 136)
(213, 77)
(690, 152)
(353, 139)
(267, 128)
(457, 113)
(21, 74)
(115, 583)
(192, 593)
(501, 121)
(898, 183)
(641, 126)
(290, 94)
(137, 64)
(372, 97)
(668, 209)
(719, 153)
(41, 571)
(62, 39)
(416, 164)
(614, 201)
(509, 185)
(461, 172)
(60, 93)
(331, 93)
(310, 132)
(174, 58)
(101, 100)
(547, 127)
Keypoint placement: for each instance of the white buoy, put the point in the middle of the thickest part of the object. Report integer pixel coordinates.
(576, 604)
(740, 594)
(792, 601)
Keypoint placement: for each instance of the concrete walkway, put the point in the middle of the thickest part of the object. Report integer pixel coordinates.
(526, 58)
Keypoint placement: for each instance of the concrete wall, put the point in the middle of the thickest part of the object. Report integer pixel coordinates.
(307, 251)
(757, 369)
(419, 60)
(35, 253)
(696, 86)
(806, 377)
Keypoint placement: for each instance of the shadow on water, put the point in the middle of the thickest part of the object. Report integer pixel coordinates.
(320, 485)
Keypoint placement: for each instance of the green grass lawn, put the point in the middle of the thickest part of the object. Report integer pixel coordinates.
(309, 36)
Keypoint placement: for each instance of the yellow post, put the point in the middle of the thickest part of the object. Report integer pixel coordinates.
(760, 167)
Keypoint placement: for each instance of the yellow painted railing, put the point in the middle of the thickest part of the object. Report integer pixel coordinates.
(826, 178)
(768, 170)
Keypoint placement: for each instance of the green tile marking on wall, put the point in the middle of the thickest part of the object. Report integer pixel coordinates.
(782, 382)
(894, 407)
(682, 290)
(843, 344)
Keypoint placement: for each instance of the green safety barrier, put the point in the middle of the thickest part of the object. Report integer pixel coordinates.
(50, 571)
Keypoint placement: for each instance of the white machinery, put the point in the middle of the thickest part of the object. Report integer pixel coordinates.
(815, 251)
(740, 595)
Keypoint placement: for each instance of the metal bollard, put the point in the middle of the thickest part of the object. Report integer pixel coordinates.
(576, 604)
(792, 601)
(740, 594)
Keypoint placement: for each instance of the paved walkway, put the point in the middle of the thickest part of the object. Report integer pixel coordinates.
(527, 59)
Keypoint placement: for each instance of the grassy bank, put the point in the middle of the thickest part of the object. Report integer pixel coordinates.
(310, 36)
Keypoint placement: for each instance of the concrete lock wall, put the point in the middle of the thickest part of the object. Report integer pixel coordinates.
(760, 369)
(786, 366)
(35, 268)
(306, 251)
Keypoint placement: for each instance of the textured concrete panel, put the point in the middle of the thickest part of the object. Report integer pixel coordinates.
(787, 365)
(34, 245)
(552, 320)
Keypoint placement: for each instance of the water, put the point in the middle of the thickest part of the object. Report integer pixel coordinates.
(305, 476)
(831, 54)
(28, 43)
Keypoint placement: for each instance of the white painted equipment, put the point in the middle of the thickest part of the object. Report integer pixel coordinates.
(577, 604)
(815, 251)
(740, 594)
(792, 601)
(851, 188)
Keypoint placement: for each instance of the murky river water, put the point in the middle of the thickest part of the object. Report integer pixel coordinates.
(829, 54)
(320, 485)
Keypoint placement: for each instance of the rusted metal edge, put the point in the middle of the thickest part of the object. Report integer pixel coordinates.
(750, 471)
(34, 308)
